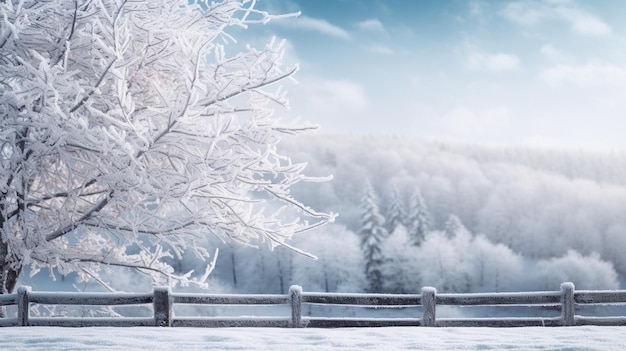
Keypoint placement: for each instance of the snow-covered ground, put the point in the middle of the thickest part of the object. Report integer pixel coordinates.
(405, 338)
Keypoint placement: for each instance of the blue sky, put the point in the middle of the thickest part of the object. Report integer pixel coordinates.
(523, 72)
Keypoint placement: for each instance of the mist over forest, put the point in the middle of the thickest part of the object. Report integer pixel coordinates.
(497, 219)
(459, 217)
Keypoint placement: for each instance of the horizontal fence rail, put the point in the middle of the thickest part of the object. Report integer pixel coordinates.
(162, 301)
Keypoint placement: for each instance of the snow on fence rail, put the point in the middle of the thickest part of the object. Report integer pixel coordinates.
(567, 300)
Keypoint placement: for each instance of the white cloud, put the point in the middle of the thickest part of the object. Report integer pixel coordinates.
(329, 99)
(477, 8)
(551, 53)
(465, 121)
(526, 13)
(498, 62)
(372, 25)
(317, 25)
(346, 93)
(379, 49)
(558, 2)
(585, 75)
(584, 23)
(530, 13)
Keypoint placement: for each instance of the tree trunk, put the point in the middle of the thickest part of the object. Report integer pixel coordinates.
(8, 274)
(326, 287)
(234, 265)
(281, 289)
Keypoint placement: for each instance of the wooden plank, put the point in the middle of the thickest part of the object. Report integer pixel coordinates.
(548, 298)
(6, 300)
(23, 305)
(429, 303)
(104, 299)
(91, 322)
(319, 322)
(162, 306)
(567, 304)
(499, 322)
(9, 322)
(601, 321)
(243, 322)
(295, 295)
(362, 299)
(235, 299)
(600, 297)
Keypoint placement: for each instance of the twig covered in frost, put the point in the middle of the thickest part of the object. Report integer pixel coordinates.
(128, 135)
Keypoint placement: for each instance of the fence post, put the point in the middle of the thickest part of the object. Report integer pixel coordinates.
(567, 304)
(295, 295)
(23, 305)
(162, 306)
(429, 306)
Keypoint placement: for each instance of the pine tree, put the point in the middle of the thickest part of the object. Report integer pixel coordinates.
(453, 226)
(372, 235)
(400, 268)
(395, 213)
(418, 223)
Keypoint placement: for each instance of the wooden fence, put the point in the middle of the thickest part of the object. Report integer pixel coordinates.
(162, 300)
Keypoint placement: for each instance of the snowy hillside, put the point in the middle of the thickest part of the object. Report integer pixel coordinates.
(559, 213)
(494, 220)
(463, 179)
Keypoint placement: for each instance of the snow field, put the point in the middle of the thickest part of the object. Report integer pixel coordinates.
(397, 338)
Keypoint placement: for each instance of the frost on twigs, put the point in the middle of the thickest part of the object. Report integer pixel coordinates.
(128, 136)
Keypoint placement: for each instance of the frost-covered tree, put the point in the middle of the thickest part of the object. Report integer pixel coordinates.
(453, 227)
(394, 213)
(401, 267)
(442, 263)
(372, 234)
(417, 221)
(263, 270)
(494, 267)
(128, 133)
(338, 269)
(586, 272)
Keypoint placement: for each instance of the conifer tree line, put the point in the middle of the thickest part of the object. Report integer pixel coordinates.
(496, 219)
(402, 252)
(512, 220)
(398, 249)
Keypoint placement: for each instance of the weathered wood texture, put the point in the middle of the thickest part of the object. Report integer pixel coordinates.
(567, 301)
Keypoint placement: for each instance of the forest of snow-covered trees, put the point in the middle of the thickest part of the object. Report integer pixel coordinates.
(461, 218)
(161, 149)
(457, 217)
